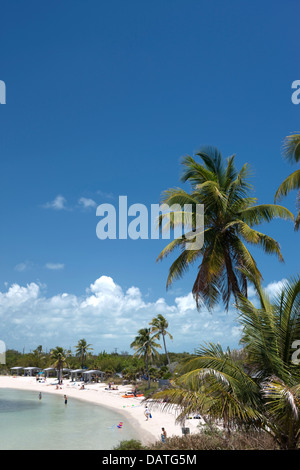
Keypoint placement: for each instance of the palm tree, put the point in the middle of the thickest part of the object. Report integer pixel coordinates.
(291, 152)
(256, 388)
(59, 356)
(39, 356)
(159, 326)
(230, 214)
(82, 350)
(145, 347)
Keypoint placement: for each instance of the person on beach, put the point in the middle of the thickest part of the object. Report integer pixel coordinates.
(163, 435)
(147, 413)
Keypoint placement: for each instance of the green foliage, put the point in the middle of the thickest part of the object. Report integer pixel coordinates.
(256, 389)
(291, 152)
(229, 219)
(131, 444)
(146, 348)
(217, 441)
(130, 366)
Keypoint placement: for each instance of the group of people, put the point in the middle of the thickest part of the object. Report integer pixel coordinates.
(146, 412)
(111, 386)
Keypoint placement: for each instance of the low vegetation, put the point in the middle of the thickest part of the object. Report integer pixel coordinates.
(207, 441)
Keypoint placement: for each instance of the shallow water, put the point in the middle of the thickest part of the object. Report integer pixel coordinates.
(49, 424)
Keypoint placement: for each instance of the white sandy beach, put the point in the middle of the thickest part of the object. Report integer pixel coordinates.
(147, 431)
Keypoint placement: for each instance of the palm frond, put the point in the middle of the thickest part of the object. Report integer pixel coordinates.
(291, 183)
(291, 148)
(264, 213)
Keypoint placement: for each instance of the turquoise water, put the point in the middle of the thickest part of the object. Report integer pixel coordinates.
(49, 424)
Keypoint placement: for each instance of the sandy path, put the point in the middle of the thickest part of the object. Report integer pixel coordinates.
(133, 408)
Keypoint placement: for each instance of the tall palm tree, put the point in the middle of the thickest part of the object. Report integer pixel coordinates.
(159, 327)
(39, 356)
(82, 350)
(145, 347)
(229, 217)
(291, 152)
(59, 355)
(255, 388)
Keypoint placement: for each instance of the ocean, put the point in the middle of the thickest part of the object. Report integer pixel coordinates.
(30, 423)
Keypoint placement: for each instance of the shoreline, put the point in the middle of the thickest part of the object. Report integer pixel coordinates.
(148, 432)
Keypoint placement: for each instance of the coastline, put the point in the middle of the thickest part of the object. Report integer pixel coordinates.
(148, 432)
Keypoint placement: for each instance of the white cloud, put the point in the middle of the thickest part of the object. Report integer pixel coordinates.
(185, 303)
(108, 316)
(272, 289)
(59, 203)
(275, 287)
(23, 266)
(17, 296)
(105, 195)
(55, 266)
(87, 203)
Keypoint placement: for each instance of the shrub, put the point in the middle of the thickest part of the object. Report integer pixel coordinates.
(131, 444)
(218, 441)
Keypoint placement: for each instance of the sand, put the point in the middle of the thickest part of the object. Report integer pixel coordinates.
(133, 408)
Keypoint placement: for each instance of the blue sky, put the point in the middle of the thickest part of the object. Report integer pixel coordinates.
(103, 99)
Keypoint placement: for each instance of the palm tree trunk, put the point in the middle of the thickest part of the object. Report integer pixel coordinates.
(147, 369)
(169, 363)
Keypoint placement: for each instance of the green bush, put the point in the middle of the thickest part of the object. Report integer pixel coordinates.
(217, 441)
(132, 444)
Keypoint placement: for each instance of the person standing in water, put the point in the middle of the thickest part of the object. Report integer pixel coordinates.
(66, 399)
(40, 396)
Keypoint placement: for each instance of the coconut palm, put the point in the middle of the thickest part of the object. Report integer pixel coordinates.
(255, 388)
(82, 350)
(145, 347)
(229, 217)
(39, 356)
(59, 355)
(159, 327)
(291, 152)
